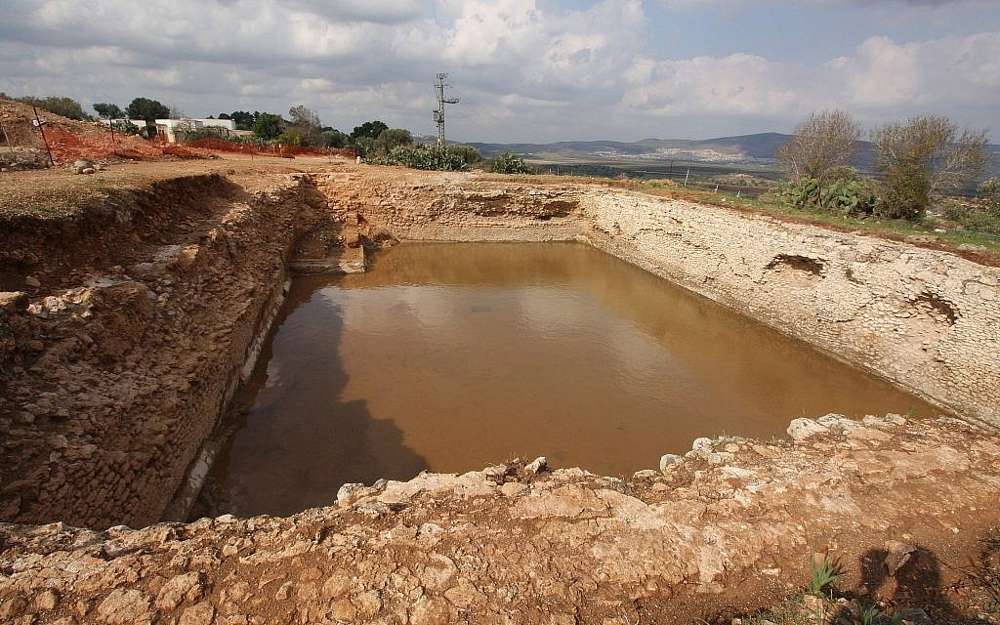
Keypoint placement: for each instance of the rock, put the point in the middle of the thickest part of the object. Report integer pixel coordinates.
(88, 170)
(701, 444)
(347, 493)
(537, 465)
(430, 611)
(80, 166)
(187, 586)
(343, 610)
(898, 554)
(913, 616)
(803, 429)
(669, 460)
(32, 281)
(200, 614)
(13, 301)
(512, 489)
(124, 607)
(645, 474)
(47, 600)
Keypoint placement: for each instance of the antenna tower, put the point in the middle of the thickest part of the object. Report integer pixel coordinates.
(439, 86)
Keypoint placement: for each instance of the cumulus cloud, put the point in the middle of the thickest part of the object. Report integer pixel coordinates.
(525, 69)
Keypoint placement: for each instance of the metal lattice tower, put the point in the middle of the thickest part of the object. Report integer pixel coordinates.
(440, 85)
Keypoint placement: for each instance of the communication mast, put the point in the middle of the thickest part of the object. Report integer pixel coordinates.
(440, 85)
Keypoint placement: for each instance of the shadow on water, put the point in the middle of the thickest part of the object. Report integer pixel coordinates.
(292, 440)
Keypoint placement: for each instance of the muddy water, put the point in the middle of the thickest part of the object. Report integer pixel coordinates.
(452, 357)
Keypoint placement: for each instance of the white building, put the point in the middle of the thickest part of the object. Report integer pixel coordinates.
(171, 128)
(141, 123)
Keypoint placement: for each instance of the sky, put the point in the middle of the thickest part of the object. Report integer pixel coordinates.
(525, 70)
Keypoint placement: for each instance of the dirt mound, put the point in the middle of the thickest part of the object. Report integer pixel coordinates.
(70, 139)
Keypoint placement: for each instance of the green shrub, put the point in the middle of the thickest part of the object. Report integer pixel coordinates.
(67, 107)
(841, 190)
(426, 157)
(925, 158)
(125, 127)
(989, 193)
(469, 153)
(508, 163)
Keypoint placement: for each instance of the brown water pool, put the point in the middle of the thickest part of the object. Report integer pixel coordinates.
(451, 357)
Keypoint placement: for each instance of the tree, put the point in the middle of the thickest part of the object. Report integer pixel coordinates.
(826, 139)
(371, 130)
(149, 110)
(333, 138)
(923, 158)
(391, 138)
(304, 117)
(307, 123)
(109, 111)
(244, 119)
(268, 126)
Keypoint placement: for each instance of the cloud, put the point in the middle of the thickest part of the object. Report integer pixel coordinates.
(525, 69)
(882, 79)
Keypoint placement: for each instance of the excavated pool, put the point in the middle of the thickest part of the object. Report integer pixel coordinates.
(450, 357)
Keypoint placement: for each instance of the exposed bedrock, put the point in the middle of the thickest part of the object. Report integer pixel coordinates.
(114, 374)
(725, 529)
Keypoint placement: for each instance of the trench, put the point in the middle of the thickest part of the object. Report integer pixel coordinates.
(451, 357)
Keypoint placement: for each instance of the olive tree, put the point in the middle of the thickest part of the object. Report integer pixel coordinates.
(922, 159)
(826, 139)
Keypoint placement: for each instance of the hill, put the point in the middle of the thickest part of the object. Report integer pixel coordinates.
(755, 149)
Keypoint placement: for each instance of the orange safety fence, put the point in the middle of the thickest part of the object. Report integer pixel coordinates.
(287, 151)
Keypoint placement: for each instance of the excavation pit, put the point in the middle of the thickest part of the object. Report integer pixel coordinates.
(451, 357)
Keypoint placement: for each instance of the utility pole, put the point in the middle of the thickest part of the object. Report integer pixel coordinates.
(440, 85)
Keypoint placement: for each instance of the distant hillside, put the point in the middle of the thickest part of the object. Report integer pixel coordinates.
(749, 148)
(760, 149)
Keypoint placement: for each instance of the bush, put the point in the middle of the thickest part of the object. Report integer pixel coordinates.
(841, 190)
(390, 139)
(67, 107)
(426, 157)
(469, 153)
(125, 127)
(508, 163)
(922, 159)
(989, 193)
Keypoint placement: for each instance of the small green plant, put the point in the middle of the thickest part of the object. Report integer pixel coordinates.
(508, 163)
(822, 573)
(871, 615)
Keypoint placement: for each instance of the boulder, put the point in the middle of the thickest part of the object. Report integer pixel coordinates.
(804, 429)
